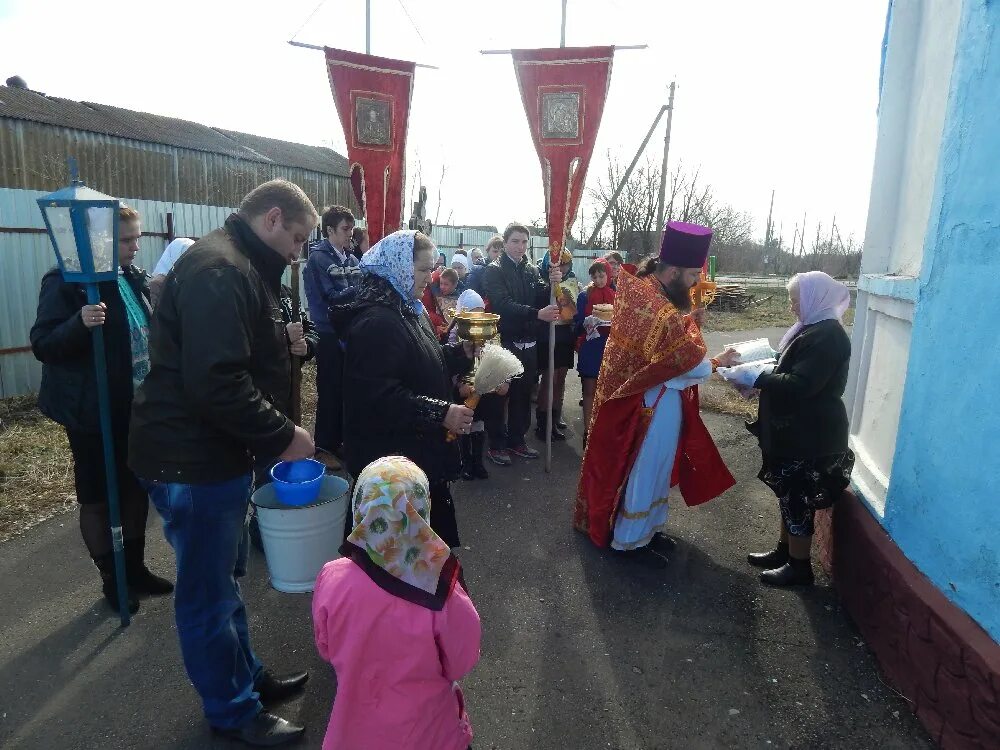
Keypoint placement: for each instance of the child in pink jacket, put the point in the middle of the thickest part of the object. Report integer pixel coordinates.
(393, 618)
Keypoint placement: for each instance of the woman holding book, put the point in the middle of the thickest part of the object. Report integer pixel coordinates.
(802, 423)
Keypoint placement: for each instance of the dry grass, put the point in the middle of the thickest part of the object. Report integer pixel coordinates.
(36, 467)
(36, 470)
(718, 396)
(770, 311)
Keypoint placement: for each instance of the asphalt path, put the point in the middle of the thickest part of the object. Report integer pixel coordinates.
(579, 652)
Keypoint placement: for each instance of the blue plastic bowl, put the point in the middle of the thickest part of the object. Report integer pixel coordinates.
(297, 482)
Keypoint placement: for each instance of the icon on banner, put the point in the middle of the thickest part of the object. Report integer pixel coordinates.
(374, 122)
(561, 115)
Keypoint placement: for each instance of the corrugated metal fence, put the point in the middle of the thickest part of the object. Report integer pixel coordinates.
(26, 254)
(448, 239)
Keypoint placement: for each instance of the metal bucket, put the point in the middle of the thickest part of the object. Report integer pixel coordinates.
(299, 540)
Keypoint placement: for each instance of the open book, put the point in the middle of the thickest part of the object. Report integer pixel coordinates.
(756, 357)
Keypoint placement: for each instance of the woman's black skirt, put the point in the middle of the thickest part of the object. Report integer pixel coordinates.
(806, 485)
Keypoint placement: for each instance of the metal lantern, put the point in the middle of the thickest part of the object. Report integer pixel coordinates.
(83, 226)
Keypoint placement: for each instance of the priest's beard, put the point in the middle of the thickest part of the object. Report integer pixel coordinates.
(678, 294)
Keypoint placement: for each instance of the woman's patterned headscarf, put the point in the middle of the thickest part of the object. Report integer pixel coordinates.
(392, 509)
(391, 258)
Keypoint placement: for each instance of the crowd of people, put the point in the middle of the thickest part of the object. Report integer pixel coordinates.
(200, 357)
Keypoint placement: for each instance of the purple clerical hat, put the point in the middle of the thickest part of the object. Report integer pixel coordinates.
(685, 245)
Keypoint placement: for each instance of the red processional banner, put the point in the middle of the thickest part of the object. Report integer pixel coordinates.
(563, 90)
(372, 95)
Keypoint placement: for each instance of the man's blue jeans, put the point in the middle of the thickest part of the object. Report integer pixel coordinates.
(206, 526)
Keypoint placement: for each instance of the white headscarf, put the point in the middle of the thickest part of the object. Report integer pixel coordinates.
(460, 260)
(469, 300)
(170, 255)
(820, 298)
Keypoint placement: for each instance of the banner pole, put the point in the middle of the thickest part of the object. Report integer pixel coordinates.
(562, 34)
(551, 379)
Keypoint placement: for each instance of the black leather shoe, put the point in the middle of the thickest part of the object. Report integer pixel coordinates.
(642, 557)
(556, 435)
(273, 688)
(264, 730)
(769, 560)
(792, 573)
(662, 543)
(541, 418)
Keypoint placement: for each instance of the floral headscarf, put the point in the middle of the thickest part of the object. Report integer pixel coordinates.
(391, 258)
(392, 533)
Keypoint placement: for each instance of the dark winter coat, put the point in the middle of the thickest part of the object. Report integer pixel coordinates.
(218, 386)
(64, 346)
(397, 384)
(516, 293)
(802, 413)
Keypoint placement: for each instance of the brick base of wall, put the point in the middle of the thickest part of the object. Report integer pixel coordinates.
(946, 665)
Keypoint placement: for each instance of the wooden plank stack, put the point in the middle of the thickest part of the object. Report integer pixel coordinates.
(731, 298)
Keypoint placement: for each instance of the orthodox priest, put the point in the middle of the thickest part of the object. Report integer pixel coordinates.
(646, 433)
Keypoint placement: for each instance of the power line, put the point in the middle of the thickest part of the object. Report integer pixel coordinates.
(315, 10)
(412, 22)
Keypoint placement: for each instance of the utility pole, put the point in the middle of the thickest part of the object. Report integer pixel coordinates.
(767, 231)
(666, 151)
(368, 27)
(624, 179)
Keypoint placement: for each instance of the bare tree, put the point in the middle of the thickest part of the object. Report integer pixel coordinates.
(630, 225)
(437, 213)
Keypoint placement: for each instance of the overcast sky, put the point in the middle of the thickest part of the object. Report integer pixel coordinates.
(772, 94)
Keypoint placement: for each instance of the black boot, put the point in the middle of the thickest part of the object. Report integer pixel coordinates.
(465, 443)
(140, 578)
(557, 419)
(541, 418)
(478, 440)
(109, 583)
(792, 573)
(770, 560)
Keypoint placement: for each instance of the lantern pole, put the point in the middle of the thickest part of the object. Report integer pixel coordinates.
(104, 407)
(110, 469)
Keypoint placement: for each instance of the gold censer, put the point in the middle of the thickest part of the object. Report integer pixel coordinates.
(477, 327)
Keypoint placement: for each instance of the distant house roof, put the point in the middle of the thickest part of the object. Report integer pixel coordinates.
(470, 227)
(23, 104)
